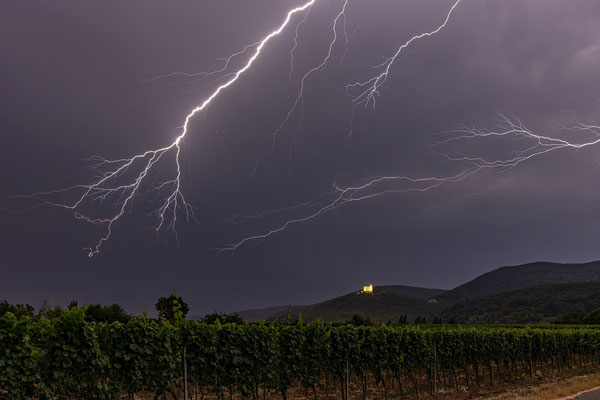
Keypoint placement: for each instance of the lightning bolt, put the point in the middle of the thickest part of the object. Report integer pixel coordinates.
(120, 182)
(195, 76)
(508, 128)
(123, 180)
(529, 144)
(106, 187)
(371, 86)
(295, 46)
(299, 100)
(341, 196)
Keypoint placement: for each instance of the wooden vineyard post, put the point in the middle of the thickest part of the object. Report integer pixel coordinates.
(347, 376)
(185, 382)
(435, 368)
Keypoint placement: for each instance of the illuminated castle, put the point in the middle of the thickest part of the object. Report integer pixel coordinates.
(368, 289)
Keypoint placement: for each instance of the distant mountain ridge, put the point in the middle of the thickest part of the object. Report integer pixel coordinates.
(532, 292)
(386, 303)
(413, 291)
(522, 276)
(536, 304)
(255, 315)
(259, 314)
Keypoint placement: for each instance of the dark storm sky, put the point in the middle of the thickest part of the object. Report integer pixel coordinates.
(72, 85)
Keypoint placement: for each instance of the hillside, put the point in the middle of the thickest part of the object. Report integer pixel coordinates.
(382, 306)
(522, 276)
(536, 304)
(255, 315)
(413, 291)
(526, 293)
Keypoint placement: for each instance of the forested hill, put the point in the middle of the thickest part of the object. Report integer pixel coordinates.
(530, 305)
(382, 306)
(526, 293)
(413, 291)
(522, 276)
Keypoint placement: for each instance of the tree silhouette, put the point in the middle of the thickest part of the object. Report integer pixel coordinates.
(171, 308)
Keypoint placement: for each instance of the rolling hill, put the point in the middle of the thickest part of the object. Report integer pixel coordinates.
(387, 303)
(413, 291)
(530, 305)
(534, 292)
(255, 315)
(522, 276)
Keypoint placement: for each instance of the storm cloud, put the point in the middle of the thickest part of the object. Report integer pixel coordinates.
(74, 84)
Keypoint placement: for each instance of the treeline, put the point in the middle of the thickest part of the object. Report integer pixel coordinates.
(168, 308)
(165, 309)
(93, 312)
(579, 317)
(68, 357)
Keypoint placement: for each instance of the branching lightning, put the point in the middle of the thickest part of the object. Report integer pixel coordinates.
(136, 170)
(108, 186)
(195, 76)
(299, 100)
(534, 144)
(370, 88)
(531, 145)
(121, 181)
(341, 196)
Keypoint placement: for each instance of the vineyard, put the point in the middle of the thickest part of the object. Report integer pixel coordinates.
(67, 357)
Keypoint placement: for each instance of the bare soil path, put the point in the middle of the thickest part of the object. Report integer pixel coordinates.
(593, 394)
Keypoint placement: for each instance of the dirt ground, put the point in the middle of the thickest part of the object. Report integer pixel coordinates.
(563, 385)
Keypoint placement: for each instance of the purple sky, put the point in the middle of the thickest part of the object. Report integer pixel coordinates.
(72, 81)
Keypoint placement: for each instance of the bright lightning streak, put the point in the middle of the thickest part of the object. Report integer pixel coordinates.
(322, 65)
(341, 196)
(510, 127)
(239, 72)
(136, 170)
(172, 200)
(348, 38)
(532, 145)
(125, 194)
(371, 86)
(199, 75)
(295, 46)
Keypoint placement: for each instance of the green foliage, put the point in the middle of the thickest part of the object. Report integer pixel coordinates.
(592, 318)
(68, 357)
(108, 314)
(172, 308)
(572, 318)
(222, 318)
(48, 311)
(522, 276)
(531, 305)
(359, 320)
(579, 317)
(18, 310)
(71, 362)
(141, 355)
(382, 306)
(19, 356)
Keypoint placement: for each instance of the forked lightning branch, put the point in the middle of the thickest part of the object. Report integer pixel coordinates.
(122, 182)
